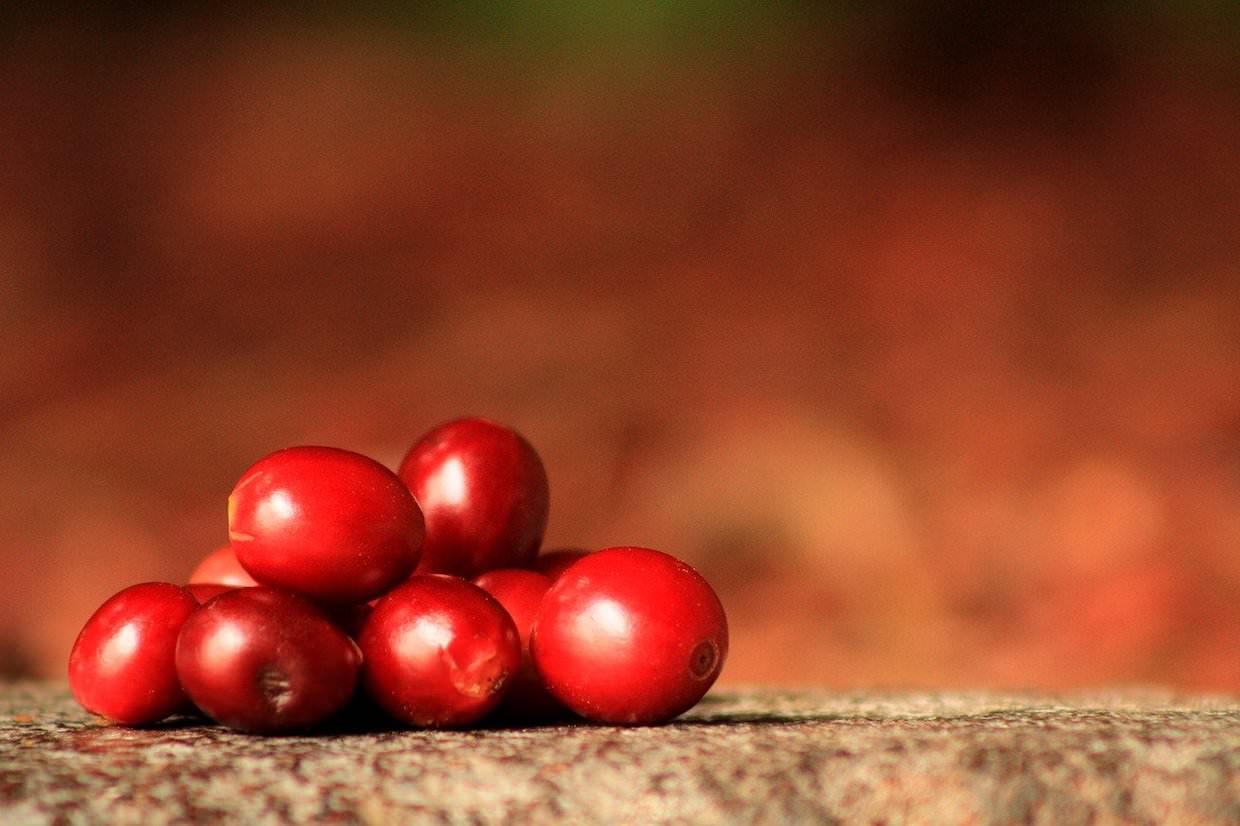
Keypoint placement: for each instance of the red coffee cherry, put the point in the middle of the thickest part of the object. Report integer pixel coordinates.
(630, 636)
(122, 665)
(439, 651)
(325, 523)
(220, 567)
(554, 563)
(521, 592)
(484, 493)
(262, 660)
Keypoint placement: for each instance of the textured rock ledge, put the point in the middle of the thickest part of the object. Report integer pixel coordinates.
(741, 757)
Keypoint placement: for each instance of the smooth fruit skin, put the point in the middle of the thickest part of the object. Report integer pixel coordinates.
(265, 661)
(521, 592)
(329, 524)
(220, 567)
(484, 493)
(554, 563)
(439, 652)
(122, 665)
(630, 636)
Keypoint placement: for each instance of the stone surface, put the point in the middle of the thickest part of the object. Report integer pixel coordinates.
(747, 756)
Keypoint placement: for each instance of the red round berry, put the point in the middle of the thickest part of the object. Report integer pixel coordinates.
(220, 567)
(266, 661)
(122, 665)
(325, 523)
(484, 492)
(521, 592)
(630, 636)
(554, 563)
(439, 651)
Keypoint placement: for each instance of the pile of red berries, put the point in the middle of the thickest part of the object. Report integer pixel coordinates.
(345, 583)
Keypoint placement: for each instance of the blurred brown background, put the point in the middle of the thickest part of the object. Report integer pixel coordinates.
(916, 326)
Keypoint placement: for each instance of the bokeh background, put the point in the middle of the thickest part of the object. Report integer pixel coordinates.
(915, 325)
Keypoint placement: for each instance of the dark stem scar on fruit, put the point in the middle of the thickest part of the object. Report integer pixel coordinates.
(703, 659)
(275, 687)
(482, 677)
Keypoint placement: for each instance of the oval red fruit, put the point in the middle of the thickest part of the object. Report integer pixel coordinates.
(439, 651)
(122, 665)
(329, 524)
(262, 660)
(484, 494)
(630, 636)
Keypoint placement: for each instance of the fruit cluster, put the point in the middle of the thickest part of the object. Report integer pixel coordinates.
(420, 592)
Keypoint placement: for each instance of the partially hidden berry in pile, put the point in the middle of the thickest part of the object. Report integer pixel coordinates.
(220, 567)
(521, 592)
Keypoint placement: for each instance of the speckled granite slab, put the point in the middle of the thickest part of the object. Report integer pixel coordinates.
(750, 756)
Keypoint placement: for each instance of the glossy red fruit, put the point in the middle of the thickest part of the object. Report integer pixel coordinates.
(521, 592)
(262, 660)
(554, 563)
(220, 567)
(630, 636)
(439, 651)
(484, 493)
(325, 523)
(122, 665)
